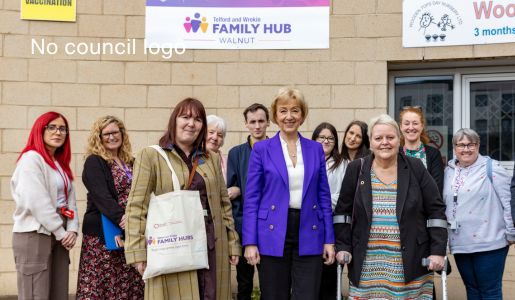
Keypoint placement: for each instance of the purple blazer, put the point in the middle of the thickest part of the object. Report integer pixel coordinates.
(265, 210)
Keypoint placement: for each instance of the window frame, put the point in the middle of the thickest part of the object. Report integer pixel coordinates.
(462, 77)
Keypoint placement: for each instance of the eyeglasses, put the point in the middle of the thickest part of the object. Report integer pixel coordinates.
(115, 134)
(322, 139)
(471, 146)
(54, 129)
(415, 107)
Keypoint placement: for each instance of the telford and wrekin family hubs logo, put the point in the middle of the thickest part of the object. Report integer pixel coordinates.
(193, 25)
(170, 239)
(231, 29)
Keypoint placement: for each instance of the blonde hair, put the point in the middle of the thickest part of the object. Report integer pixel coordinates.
(96, 147)
(289, 93)
(383, 120)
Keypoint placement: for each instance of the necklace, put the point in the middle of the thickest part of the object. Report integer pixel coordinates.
(292, 155)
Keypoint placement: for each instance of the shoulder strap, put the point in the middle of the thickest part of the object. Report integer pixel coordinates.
(489, 169)
(362, 161)
(175, 179)
(489, 174)
(192, 173)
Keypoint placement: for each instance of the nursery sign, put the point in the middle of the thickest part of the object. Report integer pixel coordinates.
(237, 24)
(448, 22)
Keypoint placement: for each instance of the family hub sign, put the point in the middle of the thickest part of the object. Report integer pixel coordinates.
(237, 24)
(469, 22)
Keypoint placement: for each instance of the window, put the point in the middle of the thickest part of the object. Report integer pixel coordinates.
(491, 111)
(479, 98)
(435, 95)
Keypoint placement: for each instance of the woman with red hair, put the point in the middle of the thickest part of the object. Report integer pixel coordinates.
(45, 220)
(414, 142)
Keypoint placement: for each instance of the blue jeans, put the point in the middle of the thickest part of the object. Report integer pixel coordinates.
(482, 273)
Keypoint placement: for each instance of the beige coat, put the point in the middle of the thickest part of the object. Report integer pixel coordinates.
(151, 174)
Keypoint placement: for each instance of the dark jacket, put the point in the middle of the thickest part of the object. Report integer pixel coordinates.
(435, 165)
(237, 166)
(417, 201)
(102, 196)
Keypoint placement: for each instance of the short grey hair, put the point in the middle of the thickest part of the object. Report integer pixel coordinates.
(471, 134)
(383, 119)
(217, 122)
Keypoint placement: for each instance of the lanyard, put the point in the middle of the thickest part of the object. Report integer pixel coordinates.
(65, 182)
(457, 183)
(126, 169)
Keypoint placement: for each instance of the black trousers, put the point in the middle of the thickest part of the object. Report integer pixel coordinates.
(245, 278)
(290, 276)
(329, 281)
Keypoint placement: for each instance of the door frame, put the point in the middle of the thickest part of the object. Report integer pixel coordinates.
(466, 80)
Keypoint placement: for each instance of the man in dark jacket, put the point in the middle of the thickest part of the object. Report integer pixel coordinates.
(256, 121)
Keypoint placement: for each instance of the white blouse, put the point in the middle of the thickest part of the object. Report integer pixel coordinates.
(335, 178)
(295, 174)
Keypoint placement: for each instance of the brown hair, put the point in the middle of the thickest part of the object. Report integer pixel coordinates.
(289, 93)
(193, 107)
(334, 153)
(416, 110)
(253, 108)
(364, 148)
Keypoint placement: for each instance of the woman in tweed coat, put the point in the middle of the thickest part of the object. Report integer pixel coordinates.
(184, 142)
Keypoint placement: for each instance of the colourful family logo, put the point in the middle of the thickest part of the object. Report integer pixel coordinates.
(151, 241)
(196, 23)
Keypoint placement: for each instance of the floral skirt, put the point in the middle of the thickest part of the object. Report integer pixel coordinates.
(103, 274)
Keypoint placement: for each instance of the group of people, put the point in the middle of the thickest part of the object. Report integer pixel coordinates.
(292, 206)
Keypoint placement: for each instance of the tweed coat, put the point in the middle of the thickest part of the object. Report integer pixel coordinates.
(151, 174)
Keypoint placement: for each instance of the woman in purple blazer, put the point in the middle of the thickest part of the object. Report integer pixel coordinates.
(287, 218)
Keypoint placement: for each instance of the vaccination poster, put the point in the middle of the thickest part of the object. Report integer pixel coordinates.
(49, 10)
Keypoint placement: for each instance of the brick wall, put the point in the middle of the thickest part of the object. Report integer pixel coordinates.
(342, 83)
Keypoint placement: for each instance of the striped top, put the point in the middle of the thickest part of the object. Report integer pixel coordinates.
(382, 276)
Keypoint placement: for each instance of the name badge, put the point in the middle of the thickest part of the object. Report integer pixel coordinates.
(68, 213)
(453, 225)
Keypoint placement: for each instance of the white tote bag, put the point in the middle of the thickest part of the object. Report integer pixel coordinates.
(175, 230)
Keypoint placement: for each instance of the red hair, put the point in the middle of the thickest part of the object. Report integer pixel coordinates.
(63, 154)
